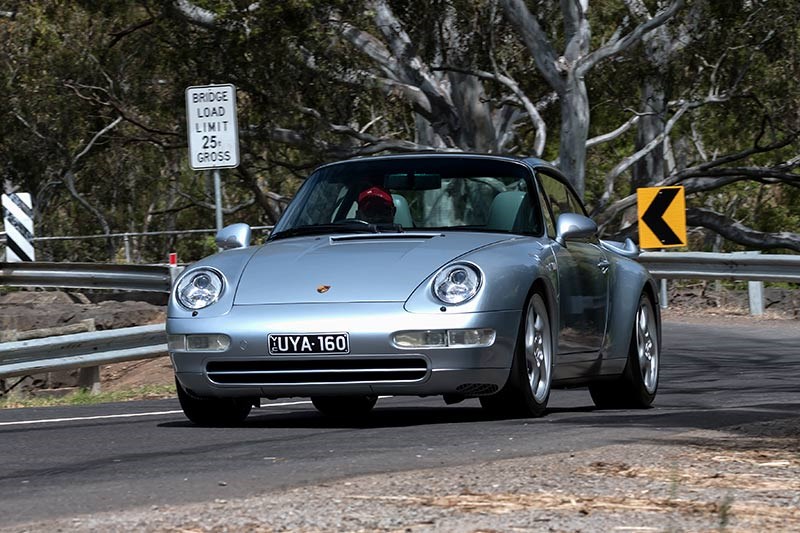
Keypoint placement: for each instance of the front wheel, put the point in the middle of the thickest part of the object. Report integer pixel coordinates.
(527, 390)
(637, 386)
(213, 412)
(343, 406)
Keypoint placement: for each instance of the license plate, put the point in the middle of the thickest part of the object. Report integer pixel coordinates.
(315, 343)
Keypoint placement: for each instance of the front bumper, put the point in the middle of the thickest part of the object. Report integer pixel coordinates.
(373, 366)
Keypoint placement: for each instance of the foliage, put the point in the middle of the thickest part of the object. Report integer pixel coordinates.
(94, 121)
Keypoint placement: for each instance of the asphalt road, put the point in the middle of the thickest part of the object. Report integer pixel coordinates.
(57, 462)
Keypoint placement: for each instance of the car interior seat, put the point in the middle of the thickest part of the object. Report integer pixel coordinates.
(402, 213)
(509, 211)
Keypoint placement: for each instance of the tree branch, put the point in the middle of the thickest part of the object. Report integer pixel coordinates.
(92, 142)
(211, 207)
(535, 40)
(539, 125)
(741, 234)
(611, 135)
(119, 35)
(723, 176)
(627, 162)
(616, 46)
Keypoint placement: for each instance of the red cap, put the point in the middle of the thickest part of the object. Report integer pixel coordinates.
(374, 193)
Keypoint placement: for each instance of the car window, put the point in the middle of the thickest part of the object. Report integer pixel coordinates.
(559, 196)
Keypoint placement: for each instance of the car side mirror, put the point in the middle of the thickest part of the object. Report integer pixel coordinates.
(574, 226)
(233, 236)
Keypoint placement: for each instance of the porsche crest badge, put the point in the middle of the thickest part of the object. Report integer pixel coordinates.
(322, 289)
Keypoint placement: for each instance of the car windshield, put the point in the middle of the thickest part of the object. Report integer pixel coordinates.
(408, 193)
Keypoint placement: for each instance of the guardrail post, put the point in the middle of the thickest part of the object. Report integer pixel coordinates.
(89, 379)
(127, 241)
(755, 293)
(663, 298)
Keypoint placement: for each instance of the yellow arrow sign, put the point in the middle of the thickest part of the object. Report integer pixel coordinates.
(662, 217)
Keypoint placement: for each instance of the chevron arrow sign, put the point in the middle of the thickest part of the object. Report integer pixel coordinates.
(662, 217)
(18, 219)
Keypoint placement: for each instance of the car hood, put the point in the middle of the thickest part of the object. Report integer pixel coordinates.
(350, 268)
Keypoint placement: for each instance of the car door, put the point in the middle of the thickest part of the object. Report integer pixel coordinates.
(583, 280)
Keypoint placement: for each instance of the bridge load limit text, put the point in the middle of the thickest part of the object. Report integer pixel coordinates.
(212, 126)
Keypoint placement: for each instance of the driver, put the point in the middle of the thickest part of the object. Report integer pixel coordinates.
(375, 205)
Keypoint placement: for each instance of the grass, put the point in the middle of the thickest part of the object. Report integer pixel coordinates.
(84, 397)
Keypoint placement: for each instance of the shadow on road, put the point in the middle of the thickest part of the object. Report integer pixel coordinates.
(381, 417)
(579, 416)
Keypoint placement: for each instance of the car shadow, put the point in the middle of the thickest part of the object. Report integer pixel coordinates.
(380, 417)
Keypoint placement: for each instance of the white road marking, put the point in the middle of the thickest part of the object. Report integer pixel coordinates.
(130, 415)
(81, 418)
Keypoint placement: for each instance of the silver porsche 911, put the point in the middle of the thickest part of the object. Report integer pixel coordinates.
(429, 274)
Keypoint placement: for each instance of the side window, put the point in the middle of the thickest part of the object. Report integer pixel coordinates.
(549, 221)
(557, 197)
(575, 204)
(560, 199)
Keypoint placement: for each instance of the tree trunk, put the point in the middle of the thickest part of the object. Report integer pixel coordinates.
(650, 169)
(476, 131)
(574, 132)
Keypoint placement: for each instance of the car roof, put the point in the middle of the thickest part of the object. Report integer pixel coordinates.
(532, 162)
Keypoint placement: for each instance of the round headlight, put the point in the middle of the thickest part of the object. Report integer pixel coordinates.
(199, 289)
(457, 284)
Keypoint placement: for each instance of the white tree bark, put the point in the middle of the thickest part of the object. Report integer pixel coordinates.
(566, 73)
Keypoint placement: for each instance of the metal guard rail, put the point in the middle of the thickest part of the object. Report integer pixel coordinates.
(151, 278)
(737, 266)
(21, 358)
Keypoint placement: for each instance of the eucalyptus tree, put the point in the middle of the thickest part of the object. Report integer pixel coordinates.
(701, 94)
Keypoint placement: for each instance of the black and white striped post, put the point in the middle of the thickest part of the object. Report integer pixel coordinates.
(18, 219)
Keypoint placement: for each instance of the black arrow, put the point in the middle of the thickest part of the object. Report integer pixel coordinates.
(654, 217)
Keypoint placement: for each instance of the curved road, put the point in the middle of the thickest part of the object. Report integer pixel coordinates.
(59, 462)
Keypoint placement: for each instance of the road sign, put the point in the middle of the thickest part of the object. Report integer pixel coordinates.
(212, 127)
(662, 217)
(18, 221)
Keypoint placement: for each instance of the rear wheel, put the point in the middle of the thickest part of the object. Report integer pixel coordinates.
(214, 412)
(637, 386)
(342, 406)
(528, 387)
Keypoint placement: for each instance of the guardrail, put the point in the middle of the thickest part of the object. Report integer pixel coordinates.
(80, 350)
(151, 278)
(739, 266)
(112, 346)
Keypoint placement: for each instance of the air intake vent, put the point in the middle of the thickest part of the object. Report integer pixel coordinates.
(384, 236)
(318, 371)
(477, 389)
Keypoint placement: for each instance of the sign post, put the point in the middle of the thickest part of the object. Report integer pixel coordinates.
(213, 133)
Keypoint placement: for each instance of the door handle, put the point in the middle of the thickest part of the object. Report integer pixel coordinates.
(603, 265)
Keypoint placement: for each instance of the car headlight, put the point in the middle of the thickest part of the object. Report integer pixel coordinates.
(457, 283)
(199, 289)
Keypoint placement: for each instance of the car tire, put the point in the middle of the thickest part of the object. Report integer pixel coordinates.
(637, 387)
(344, 406)
(527, 390)
(213, 412)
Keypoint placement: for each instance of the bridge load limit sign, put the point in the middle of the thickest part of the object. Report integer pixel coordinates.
(213, 131)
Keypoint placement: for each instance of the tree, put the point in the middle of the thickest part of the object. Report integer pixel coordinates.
(639, 92)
